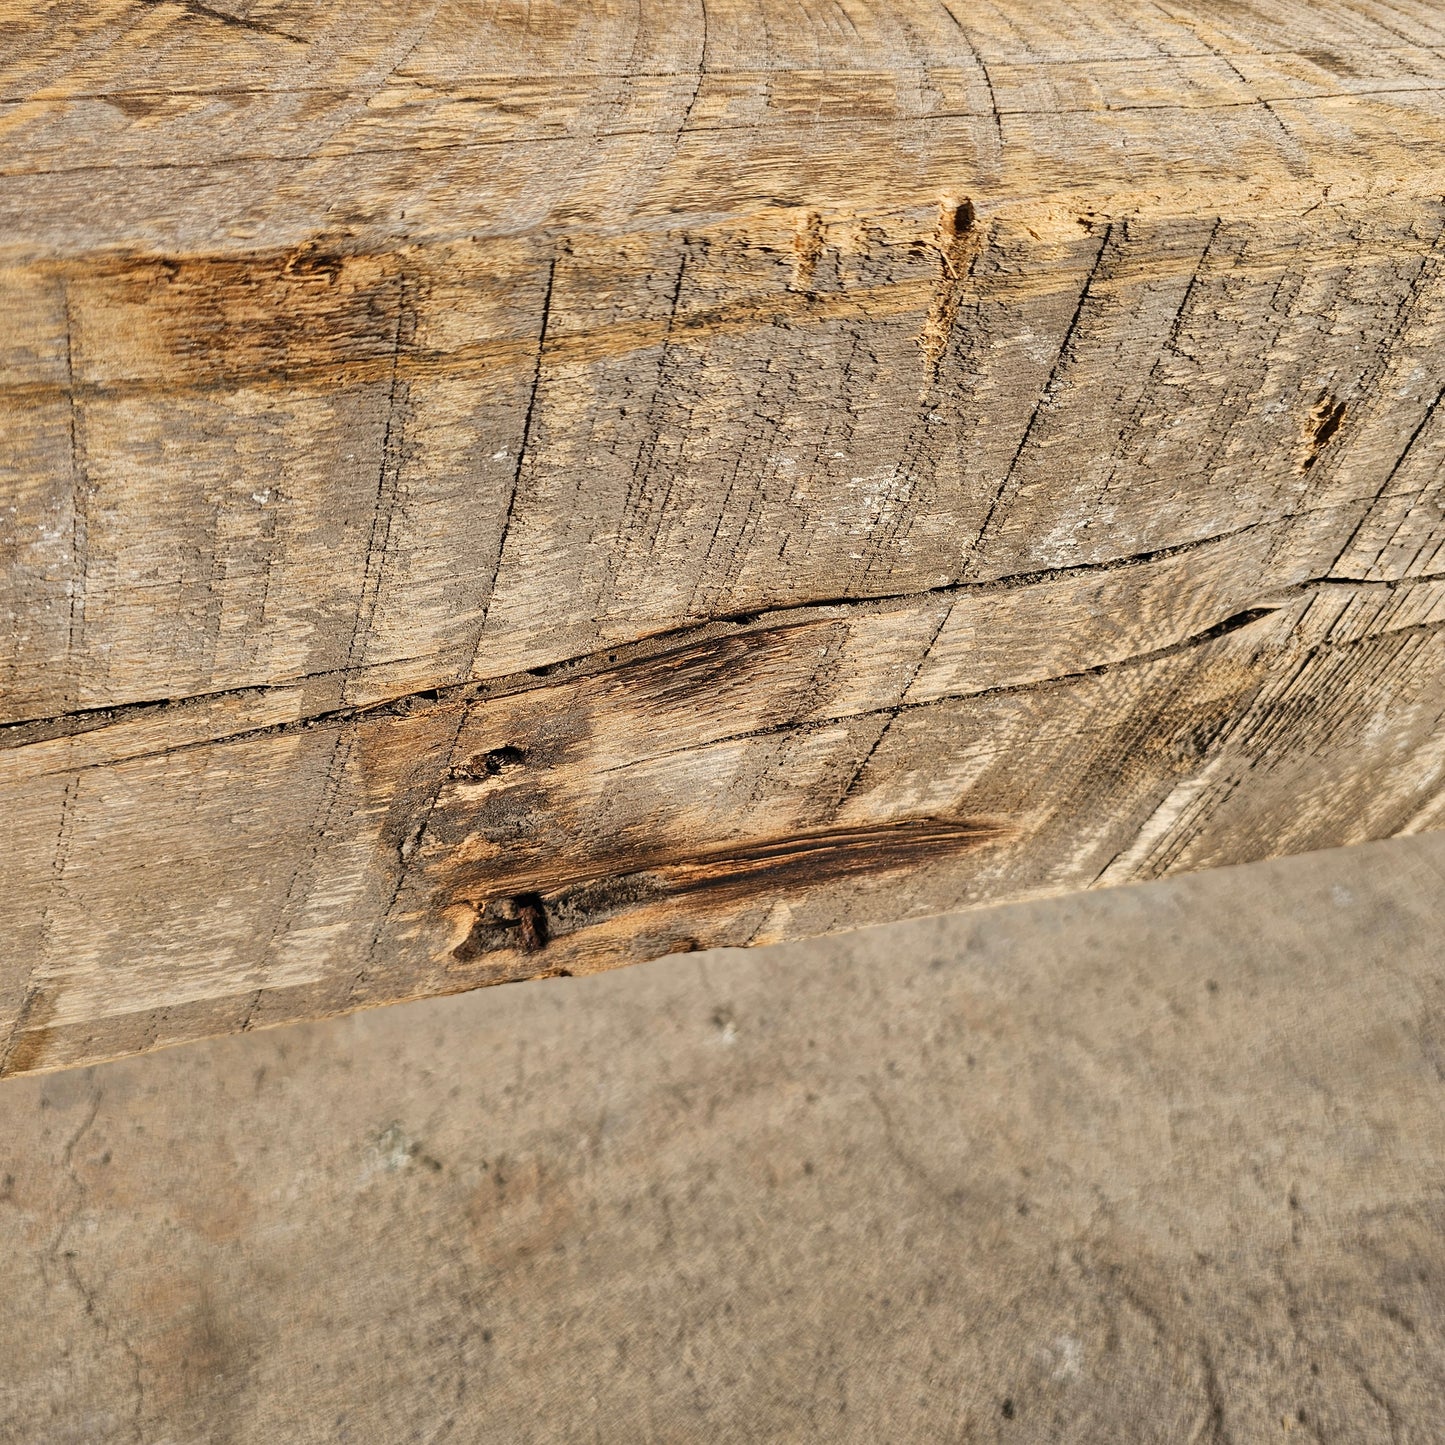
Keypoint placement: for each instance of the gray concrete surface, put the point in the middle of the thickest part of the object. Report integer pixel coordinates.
(1163, 1164)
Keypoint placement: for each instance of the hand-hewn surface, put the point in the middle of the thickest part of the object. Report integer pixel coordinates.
(1157, 1166)
(513, 489)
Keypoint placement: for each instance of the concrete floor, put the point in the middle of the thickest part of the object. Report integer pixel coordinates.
(1163, 1164)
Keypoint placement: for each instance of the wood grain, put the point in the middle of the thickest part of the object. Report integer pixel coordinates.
(509, 490)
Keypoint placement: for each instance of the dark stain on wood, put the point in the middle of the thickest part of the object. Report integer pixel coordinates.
(795, 661)
(232, 320)
(531, 922)
(29, 1044)
(764, 870)
(490, 764)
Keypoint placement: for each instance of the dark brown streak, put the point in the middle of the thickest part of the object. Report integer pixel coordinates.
(568, 903)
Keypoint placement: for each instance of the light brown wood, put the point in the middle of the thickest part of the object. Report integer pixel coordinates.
(513, 489)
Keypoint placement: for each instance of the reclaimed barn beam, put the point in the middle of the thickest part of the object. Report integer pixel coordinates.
(496, 490)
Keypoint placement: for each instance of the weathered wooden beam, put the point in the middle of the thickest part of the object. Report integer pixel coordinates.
(510, 490)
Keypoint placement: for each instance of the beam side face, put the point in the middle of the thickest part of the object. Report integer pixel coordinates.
(544, 515)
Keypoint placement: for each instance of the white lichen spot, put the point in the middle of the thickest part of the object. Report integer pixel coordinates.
(390, 1151)
(1063, 1357)
(726, 1026)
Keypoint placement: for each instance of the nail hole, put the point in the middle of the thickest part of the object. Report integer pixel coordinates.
(490, 764)
(531, 921)
(956, 217)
